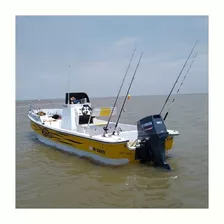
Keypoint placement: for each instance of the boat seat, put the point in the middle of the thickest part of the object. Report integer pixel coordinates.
(100, 123)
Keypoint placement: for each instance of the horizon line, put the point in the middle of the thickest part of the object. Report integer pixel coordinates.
(97, 97)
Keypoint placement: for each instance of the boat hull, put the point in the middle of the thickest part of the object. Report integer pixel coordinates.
(82, 153)
(169, 142)
(102, 152)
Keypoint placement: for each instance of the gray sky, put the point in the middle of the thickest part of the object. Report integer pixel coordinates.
(99, 48)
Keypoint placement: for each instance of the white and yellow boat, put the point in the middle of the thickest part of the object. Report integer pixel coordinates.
(77, 129)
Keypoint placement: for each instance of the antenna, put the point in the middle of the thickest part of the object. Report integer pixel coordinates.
(69, 74)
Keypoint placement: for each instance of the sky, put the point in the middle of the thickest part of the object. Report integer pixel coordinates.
(98, 50)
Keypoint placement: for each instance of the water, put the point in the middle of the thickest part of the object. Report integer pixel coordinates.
(47, 178)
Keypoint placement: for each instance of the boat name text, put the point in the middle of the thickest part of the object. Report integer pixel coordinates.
(98, 150)
(46, 133)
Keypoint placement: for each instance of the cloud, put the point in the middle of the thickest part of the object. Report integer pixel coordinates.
(126, 42)
(156, 74)
(99, 59)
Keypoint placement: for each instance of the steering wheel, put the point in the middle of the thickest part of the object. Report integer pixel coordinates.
(86, 109)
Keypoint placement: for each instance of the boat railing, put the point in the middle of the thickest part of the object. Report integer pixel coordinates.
(33, 108)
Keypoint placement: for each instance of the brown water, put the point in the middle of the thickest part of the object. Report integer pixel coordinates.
(47, 178)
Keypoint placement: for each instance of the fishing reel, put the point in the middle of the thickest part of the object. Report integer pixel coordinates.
(86, 110)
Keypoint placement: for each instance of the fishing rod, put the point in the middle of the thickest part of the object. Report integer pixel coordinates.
(178, 77)
(127, 93)
(106, 128)
(180, 86)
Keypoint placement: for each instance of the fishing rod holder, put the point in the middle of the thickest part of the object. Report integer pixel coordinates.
(117, 131)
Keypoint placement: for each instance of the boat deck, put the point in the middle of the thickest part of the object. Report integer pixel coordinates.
(93, 130)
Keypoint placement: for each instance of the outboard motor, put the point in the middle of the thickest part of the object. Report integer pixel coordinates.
(152, 134)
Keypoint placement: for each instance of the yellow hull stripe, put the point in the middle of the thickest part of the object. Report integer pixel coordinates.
(107, 150)
(169, 143)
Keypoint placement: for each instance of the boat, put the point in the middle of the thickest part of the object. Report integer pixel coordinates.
(80, 129)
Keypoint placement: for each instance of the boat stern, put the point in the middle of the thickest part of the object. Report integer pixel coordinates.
(170, 139)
